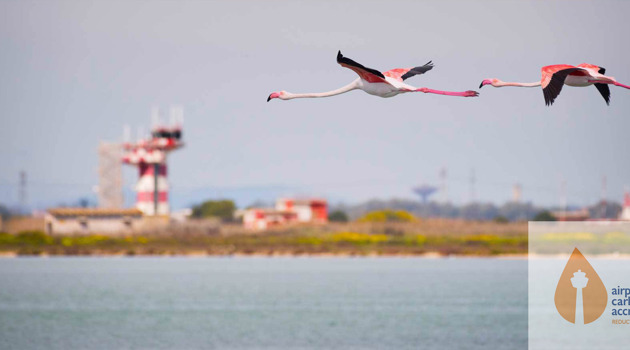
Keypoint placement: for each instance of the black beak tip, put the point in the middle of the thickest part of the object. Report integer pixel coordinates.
(269, 98)
(481, 85)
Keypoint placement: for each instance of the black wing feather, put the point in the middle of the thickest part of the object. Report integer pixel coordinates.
(605, 91)
(555, 85)
(346, 60)
(418, 70)
(602, 70)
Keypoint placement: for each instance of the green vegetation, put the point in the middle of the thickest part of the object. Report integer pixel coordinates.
(388, 216)
(356, 238)
(5, 213)
(562, 242)
(338, 216)
(222, 209)
(544, 215)
(500, 219)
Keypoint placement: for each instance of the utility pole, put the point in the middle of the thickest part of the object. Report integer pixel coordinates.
(22, 191)
(473, 180)
(443, 187)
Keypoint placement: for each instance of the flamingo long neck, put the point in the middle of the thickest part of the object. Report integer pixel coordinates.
(504, 83)
(339, 91)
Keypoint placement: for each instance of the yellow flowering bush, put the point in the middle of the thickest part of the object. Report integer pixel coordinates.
(388, 216)
(358, 238)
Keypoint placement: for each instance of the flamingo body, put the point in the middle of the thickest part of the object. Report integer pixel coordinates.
(554, 77)
(375, 83)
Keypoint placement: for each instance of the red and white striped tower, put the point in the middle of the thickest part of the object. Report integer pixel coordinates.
(149, 155)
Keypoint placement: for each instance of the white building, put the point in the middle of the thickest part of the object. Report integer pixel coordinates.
(287, 210)
(262, 219)
(68, 221)
(307, 209)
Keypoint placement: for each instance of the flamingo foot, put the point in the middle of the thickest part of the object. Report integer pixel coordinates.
(471, 93)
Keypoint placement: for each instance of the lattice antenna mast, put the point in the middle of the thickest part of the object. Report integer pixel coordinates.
(563, 195)
(517, 192)
(473, 181)
(110, 193)
(603, 205)
(443, 186)
(22, 191)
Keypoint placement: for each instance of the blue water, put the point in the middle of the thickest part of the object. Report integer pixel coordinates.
(263, 303)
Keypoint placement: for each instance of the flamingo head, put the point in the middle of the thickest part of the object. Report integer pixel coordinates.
(278, 94)
(488, 82)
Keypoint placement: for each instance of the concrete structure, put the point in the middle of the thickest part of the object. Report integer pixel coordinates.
(149, 155)
(425, 191)
(307, 210)
(69, 221)
(17, 224)
(110, 191)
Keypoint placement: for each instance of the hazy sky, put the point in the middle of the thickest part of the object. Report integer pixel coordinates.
(73, 73)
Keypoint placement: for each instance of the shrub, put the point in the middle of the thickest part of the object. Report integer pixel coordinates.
(500, 219)
(416, 240)
(34, 238)
(544, 215)
(388, 216)
(358, 238)
(338, 216)
(7, 238)
(223, 209)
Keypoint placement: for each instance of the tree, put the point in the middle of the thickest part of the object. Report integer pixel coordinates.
(544, 215)
(500, 219)
(338, 216)
(223, 209)
(5, 213)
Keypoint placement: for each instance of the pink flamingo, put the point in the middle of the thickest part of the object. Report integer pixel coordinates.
(373, 82)
(554, 77)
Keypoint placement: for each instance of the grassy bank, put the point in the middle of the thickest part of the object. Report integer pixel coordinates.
(418, 238)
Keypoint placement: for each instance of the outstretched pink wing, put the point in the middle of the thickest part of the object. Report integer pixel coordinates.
(401, 74)
(553, 78)
(397, 73)
(368, 74)
(593, 67)
(549, 71)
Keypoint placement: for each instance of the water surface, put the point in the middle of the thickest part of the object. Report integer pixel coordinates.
(263, 303)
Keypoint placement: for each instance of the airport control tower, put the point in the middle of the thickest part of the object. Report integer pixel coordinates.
(149, 155)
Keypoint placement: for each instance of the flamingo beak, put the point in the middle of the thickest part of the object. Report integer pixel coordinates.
(273, 95)
(485, 82)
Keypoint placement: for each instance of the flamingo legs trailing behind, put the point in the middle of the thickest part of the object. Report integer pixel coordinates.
(373, 82)
(556, 76)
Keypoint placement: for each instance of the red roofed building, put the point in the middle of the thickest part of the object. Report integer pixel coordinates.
(287, 210)
(262, 219)
(307, 210)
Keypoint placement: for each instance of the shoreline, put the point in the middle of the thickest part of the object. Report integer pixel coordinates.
(429, 255)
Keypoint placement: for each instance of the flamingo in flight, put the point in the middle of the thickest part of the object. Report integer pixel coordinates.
(373, 82)
(554, 77)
